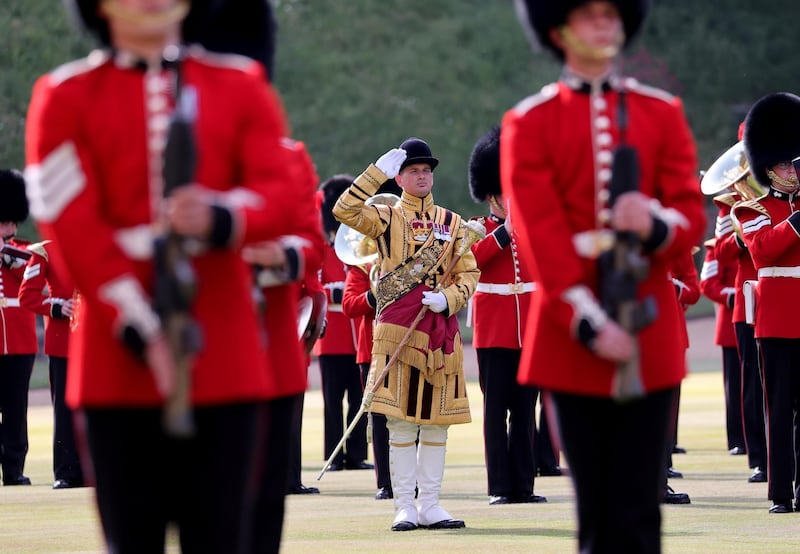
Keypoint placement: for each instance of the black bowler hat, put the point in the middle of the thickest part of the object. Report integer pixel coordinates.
(771, 133)
(539, 17)
(418, 152)
(13, 202)
(484, 166)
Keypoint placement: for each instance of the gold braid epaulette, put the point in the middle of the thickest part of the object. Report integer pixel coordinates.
(411, 273)
(38, 248)
(727, 199)
(754, 205)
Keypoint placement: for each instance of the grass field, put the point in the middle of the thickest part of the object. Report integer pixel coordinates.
(727, 514)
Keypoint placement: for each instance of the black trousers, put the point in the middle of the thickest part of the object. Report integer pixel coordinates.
(752, 397)
(618, 511)
(380, 441)
(781, 371)
(732, 380)
(15, 379)
(145, 479)
(280, 459)
(508, 423)
(66, 462)
(341, 377)
(544, 452)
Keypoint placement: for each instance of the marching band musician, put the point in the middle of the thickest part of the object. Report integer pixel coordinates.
(96, 170)
(337, 348)
(358, 303)
(499, 311)
(424, 392)
(556, 166)
(17, 333)
(57, 307)
(731, 248)
(770, 230)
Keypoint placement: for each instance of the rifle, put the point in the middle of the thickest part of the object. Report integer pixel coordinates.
(175, 285)
(622, 268)
(14, 252)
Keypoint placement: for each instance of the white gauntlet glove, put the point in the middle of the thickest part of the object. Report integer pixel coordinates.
(435, 300)
(390, 162)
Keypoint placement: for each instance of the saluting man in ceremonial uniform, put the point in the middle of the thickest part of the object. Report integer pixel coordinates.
(556, 158)
(18, 343)
(57, 306)
(96, 170)
(424, 392)
(770, 229)
(499, 312)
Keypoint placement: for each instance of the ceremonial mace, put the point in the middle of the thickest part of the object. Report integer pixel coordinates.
(475, 231)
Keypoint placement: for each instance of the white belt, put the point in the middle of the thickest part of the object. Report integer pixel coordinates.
(335, 308)
(506, 289)
(780, 272)
(9, 302)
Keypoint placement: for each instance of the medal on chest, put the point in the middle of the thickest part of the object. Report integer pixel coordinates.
(422, 228)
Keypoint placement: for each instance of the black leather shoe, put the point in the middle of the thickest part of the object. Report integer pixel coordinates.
(528, 499)
(384, 493)
(672, 497)
(758, 476)
(554, 471)
(446, 524)
(358, 465)
(674, 474)
(66, 484)
(335, 467)
(498, 500)
(403, 526)
(678, 450)
(781, 507)
(302, 489)
(737, 451)
(14, 481)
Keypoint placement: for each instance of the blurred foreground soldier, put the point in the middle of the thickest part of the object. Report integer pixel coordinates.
(424, 392)
(499, 311)
(17, 332)
(558, 150)
(95, 170)
(50, 294)
(770, 229)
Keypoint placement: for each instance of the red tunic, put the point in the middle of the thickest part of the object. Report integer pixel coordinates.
(687, 287)
(41, 277)
(284, 349)
(501, 302)
(340, 332)
(718, 284)
(771, 237)
(555, 167)
(94, 172)
(356, 306)
(17, 324)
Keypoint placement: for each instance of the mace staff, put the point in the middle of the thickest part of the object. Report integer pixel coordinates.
(475, 231)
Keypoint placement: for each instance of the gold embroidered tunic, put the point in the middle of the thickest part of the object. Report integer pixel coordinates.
(416, 242)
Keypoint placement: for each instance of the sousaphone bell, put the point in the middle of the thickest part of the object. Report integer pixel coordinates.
(354, 248)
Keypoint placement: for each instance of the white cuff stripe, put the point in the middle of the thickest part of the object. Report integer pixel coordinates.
(32, 271)
(756, 224)
(710, 269)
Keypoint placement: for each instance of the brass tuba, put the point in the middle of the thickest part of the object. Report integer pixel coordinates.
(731, 170)
(354, 248)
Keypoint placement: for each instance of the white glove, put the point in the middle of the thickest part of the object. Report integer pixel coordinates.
(435, 300)
(390, 162)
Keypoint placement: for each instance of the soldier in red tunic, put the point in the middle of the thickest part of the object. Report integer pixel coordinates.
(499, 311)
(96, 170)
(770, 228)
(556, 166)
(57, 307)
(18, 344)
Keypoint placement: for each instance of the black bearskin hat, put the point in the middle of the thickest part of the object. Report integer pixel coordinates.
(332, 189)
(772, 133)
(484, 166)
(417, 152)
(538, 17)
(13, 202)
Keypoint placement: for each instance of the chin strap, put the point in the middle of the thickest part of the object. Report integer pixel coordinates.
(604, 53)
(789, 183)
(113, 8)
